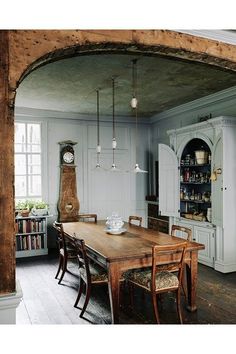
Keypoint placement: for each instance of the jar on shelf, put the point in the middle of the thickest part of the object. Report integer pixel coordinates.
(186, 175)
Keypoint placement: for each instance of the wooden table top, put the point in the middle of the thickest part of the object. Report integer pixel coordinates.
(136, 242)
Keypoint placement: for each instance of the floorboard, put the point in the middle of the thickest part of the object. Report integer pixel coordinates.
(47, 302)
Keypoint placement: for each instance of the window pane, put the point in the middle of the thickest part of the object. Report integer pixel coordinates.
(20, 164)
(20, 186)
(20, 136)
(33, 134)
(34, 185)
(20, 147)
(34, 169)
(34, 148)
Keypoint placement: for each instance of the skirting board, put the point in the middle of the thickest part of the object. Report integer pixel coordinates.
(8, 305)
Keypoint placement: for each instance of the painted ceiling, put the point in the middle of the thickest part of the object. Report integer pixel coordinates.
(69, 85)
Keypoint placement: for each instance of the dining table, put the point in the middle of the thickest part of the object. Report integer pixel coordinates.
(130, 249)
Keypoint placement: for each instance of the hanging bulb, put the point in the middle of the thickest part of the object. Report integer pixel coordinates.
(134, 102)
(114, 168)
(114, 143)
(137, 169)
(99, 149)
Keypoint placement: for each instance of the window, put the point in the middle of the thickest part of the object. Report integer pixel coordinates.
(28, 177)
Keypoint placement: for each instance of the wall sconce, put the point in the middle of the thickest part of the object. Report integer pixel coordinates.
(216, 171)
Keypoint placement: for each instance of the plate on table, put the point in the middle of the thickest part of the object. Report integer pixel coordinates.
(115, 231)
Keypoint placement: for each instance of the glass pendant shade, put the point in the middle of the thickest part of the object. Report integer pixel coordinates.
(134, 102)
(137, 169)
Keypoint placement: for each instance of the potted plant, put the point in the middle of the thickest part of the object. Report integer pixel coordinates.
(22, 208)
(40, 208)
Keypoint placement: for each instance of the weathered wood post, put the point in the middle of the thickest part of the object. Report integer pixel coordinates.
(7, 237)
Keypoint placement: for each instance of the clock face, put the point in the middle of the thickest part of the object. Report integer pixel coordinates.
(68, 157)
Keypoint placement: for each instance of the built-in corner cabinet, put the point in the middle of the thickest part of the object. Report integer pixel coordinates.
(197, 187)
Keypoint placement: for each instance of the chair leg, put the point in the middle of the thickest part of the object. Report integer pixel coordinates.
(87, 297)
(131, 294)
(178, 296)
(81, 285)
(183, 285)
(59, 266)
(64, 268)
(154, 302)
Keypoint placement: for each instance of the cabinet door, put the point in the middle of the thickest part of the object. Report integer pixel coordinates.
(217, 186)
(168, 182)
(205, 236)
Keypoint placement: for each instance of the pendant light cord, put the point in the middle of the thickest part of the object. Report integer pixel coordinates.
(113, 120)
(98, 130)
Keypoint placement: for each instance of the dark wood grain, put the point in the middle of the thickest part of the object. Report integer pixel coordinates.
(130, 250)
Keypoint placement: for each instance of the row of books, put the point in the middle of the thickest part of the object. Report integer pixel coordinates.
(30, 225)
(29, 242)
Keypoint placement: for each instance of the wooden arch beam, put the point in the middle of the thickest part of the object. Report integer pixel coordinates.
(22, 51)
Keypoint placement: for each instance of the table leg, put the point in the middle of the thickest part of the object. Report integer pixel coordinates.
(192, 281)
(114, 290)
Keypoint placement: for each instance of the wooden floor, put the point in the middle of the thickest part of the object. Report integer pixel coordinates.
(47, 302)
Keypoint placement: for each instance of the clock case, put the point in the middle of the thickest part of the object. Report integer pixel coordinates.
(67, 146)
(68, 204)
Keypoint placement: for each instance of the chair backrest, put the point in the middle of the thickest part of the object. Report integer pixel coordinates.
(82, 257)
(60, 236)
(159, 254)
(87, 217)
(135, 218)
(186, 230)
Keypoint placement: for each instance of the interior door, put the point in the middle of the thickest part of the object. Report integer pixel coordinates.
(168, 181)
(217, 186)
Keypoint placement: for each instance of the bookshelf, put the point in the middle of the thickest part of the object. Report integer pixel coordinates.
(31, 236)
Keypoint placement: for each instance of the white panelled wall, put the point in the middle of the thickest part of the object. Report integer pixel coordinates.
(98, 192)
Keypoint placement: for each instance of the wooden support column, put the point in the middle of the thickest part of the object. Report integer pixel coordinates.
(7, 224)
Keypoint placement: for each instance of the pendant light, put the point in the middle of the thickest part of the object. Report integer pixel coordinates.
(98, 148)
(113, 168)
(134, 105)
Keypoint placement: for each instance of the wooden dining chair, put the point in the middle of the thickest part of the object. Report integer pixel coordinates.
(135, 218)
(90, 273)
(66, 251)
(158, 281)
(187, 235)
(88, 217)
(187, 232)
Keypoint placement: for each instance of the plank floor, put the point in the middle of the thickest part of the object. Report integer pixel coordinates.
(47, 302)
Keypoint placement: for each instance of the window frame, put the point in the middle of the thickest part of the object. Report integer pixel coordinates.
(27, 153)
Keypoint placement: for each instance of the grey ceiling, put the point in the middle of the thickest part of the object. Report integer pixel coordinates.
(69, 85)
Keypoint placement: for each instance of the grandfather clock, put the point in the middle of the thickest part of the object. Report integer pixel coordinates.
(68, 204)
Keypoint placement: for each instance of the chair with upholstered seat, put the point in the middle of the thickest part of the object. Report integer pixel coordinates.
(66, 251)
(164, 280)
(87, 217)
(90, 274)
(135, 219)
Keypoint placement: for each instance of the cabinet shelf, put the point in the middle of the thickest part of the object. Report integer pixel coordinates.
(203, 165)
(195, 201)
(30, 233)
(197, 183)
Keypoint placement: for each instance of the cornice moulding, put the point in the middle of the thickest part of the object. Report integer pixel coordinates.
(21, 112)
(217, 35)
(218, 97)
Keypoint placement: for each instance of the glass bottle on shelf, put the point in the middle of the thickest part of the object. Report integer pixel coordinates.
(186, 175)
